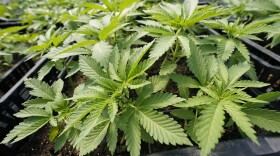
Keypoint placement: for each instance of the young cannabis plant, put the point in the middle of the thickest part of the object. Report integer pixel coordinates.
(100, 115)
(231, 41)
(171, 21)
(104, 104)
(111, 6)
(224, 94)
(48, 107)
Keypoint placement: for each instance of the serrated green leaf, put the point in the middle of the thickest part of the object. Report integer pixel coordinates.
(183, 114)
(189, 7)
(185, 45)
(112, 137)
(162, 128)
(236, 71)
(210, 127)
(162, 45)
(40, 89)
(133, 38)
(53, 133)
(101, 51)
(159, 100)
(242, 49)
(138, 83)
(225, 49)
(167, 68)
(58, 86)
(94, 138)
(185, 81)
(141, 68)
(241, 120)
(76, 49)
(112, 110)
(133, 135)
(266, 119)
(45, 70)
(32, 111)
(249, 83)
(91, 121)
(157, 30)
(40, 103)
(91, 68)
(77, 115)
(25, 128)
(196, 101)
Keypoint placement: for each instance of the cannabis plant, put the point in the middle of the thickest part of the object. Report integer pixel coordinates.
(229, 45)
(104, 104)
(11, 36)
(172, 23)
(221, 94)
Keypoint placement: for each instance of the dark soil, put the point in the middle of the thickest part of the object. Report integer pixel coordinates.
(39, 145)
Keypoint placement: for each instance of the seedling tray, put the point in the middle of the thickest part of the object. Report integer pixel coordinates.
(9, 24)
(268, 146)
(7, 20)
(13, 75)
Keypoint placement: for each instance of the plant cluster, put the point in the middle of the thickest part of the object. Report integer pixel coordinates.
(265, 12)
(124, 98)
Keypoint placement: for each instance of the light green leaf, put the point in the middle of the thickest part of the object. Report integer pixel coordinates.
(45, 70)
(269, 97)
(210, 127)
(241, 120)
(225, 49)
(32, 111)
(89, 94)
(40, 89)
(94, 138)
(250, 84)
(112, 137)
(236, 71)
(189, 7)
(185, 45)
(266, 119)
(167, 68)
(183, 114)
(58, 86)
(25, 128)
(196, 101)
(91, 68)
(133, 135)
(185, 81)
(112, 110)
(162, 45)
(40, 103)
(162, 128)
(242, 49)
(159, 100)
(101, 52)
(138, 83)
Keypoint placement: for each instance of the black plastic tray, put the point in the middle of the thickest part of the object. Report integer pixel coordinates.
(9, 24)
(269, 146)
(2, 19)
(11, 102)
(13, 75)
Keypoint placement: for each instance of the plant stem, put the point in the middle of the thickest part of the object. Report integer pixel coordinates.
(175, 52)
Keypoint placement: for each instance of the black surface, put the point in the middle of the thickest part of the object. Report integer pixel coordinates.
(269, 146)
